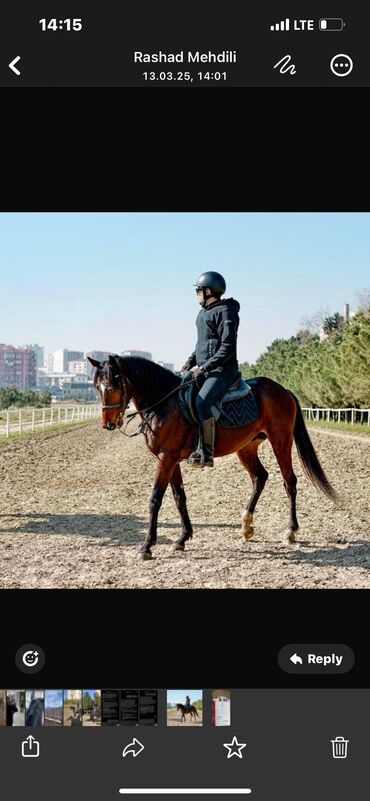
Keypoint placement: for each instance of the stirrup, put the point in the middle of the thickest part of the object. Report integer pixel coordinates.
(197, 458)
(200, 458)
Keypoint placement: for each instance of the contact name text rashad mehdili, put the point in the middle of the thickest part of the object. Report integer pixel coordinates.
(190, 57)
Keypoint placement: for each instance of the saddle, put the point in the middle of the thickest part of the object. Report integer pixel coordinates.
(237, 408)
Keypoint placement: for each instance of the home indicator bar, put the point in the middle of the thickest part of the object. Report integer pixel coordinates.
(186, 791)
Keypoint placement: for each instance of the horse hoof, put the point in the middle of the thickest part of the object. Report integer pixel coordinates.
(248, 533)
(290, 537)
(178, 547)
(144, 556)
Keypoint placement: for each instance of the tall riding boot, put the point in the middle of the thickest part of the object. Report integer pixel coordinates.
(203, 455)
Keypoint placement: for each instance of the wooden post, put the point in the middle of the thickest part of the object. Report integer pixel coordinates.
(352, 416)
(33, 420)
(7, 423)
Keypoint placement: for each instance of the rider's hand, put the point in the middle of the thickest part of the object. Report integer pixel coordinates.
(196, 371)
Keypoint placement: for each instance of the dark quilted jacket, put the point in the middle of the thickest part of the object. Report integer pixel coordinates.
(217, 327)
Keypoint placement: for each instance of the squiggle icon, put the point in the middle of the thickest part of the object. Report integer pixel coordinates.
(286, 66)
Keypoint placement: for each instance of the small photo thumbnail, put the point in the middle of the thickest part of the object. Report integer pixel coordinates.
(34, 707)
(15, 707)
(110, 707)
(2, 707)
(91, 708)
(221, 707)
(148, 707)
(72, 708)
(53, 707)
(184, 707)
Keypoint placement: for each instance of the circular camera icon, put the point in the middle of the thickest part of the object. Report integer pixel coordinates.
(341, 65)
(30, 658)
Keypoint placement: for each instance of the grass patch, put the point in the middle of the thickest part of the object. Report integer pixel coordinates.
(357, 428)
(39, 431)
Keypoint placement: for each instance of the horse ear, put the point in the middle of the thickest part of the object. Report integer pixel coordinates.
(113, 361)
(94, 362)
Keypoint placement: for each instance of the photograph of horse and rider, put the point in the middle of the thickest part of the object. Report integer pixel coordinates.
(184, 707)
(269, 380)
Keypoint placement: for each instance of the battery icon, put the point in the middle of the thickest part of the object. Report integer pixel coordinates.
(331, 24)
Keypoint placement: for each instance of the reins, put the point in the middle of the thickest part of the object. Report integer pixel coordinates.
(149, 409)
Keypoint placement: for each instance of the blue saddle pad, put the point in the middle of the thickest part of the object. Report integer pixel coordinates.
(231, 412)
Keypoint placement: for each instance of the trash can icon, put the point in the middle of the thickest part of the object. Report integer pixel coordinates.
(339, 746)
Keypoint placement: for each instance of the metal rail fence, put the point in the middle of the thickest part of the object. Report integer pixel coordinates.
(350, 416)
(17, 421)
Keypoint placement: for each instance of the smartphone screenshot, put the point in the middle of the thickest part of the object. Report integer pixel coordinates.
(184, 506)
(185, 45)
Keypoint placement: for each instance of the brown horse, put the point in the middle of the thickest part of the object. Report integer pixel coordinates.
(187, 711)
(171, 438)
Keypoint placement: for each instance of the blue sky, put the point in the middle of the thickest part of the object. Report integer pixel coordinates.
(53, 698)
(120, 281)
(179, 696)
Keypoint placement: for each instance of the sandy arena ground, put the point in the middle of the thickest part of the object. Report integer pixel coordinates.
(74, 510)
(174, 718)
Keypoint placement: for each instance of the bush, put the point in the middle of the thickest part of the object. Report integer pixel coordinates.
(12, 398)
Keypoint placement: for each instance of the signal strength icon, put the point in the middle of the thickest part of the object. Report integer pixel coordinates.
(284, 25)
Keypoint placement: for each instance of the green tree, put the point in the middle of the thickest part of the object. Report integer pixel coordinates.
(333, 323)
(247, 370)
(9, 396)
(332, 372)
(88, 701)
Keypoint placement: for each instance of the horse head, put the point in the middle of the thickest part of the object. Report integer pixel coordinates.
(113, 392)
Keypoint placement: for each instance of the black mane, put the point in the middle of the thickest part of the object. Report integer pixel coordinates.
(153, 380)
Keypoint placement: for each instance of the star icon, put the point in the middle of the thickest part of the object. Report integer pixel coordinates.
(234, 748)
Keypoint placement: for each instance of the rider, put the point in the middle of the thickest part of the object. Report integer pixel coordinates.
(214, 358)
(187, 702)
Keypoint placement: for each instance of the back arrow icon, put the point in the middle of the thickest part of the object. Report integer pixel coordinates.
(295, 658)
(12, 63)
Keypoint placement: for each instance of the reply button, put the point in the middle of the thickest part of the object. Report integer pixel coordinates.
(317, 658)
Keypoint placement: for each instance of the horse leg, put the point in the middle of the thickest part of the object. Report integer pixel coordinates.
(163, 475)
(283, 452)
(180, 500)
(249, 459)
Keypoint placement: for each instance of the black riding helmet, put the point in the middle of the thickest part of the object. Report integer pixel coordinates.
(213, 281)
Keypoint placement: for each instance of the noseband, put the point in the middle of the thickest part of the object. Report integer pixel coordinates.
(122, 403)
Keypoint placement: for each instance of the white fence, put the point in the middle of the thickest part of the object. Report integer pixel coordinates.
(352, 416)
(15, 421)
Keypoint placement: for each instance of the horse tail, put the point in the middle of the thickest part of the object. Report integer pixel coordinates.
(196, 712)
(308, 456)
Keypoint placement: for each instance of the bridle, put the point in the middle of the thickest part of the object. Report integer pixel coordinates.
(123, 402)
(148, 412)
